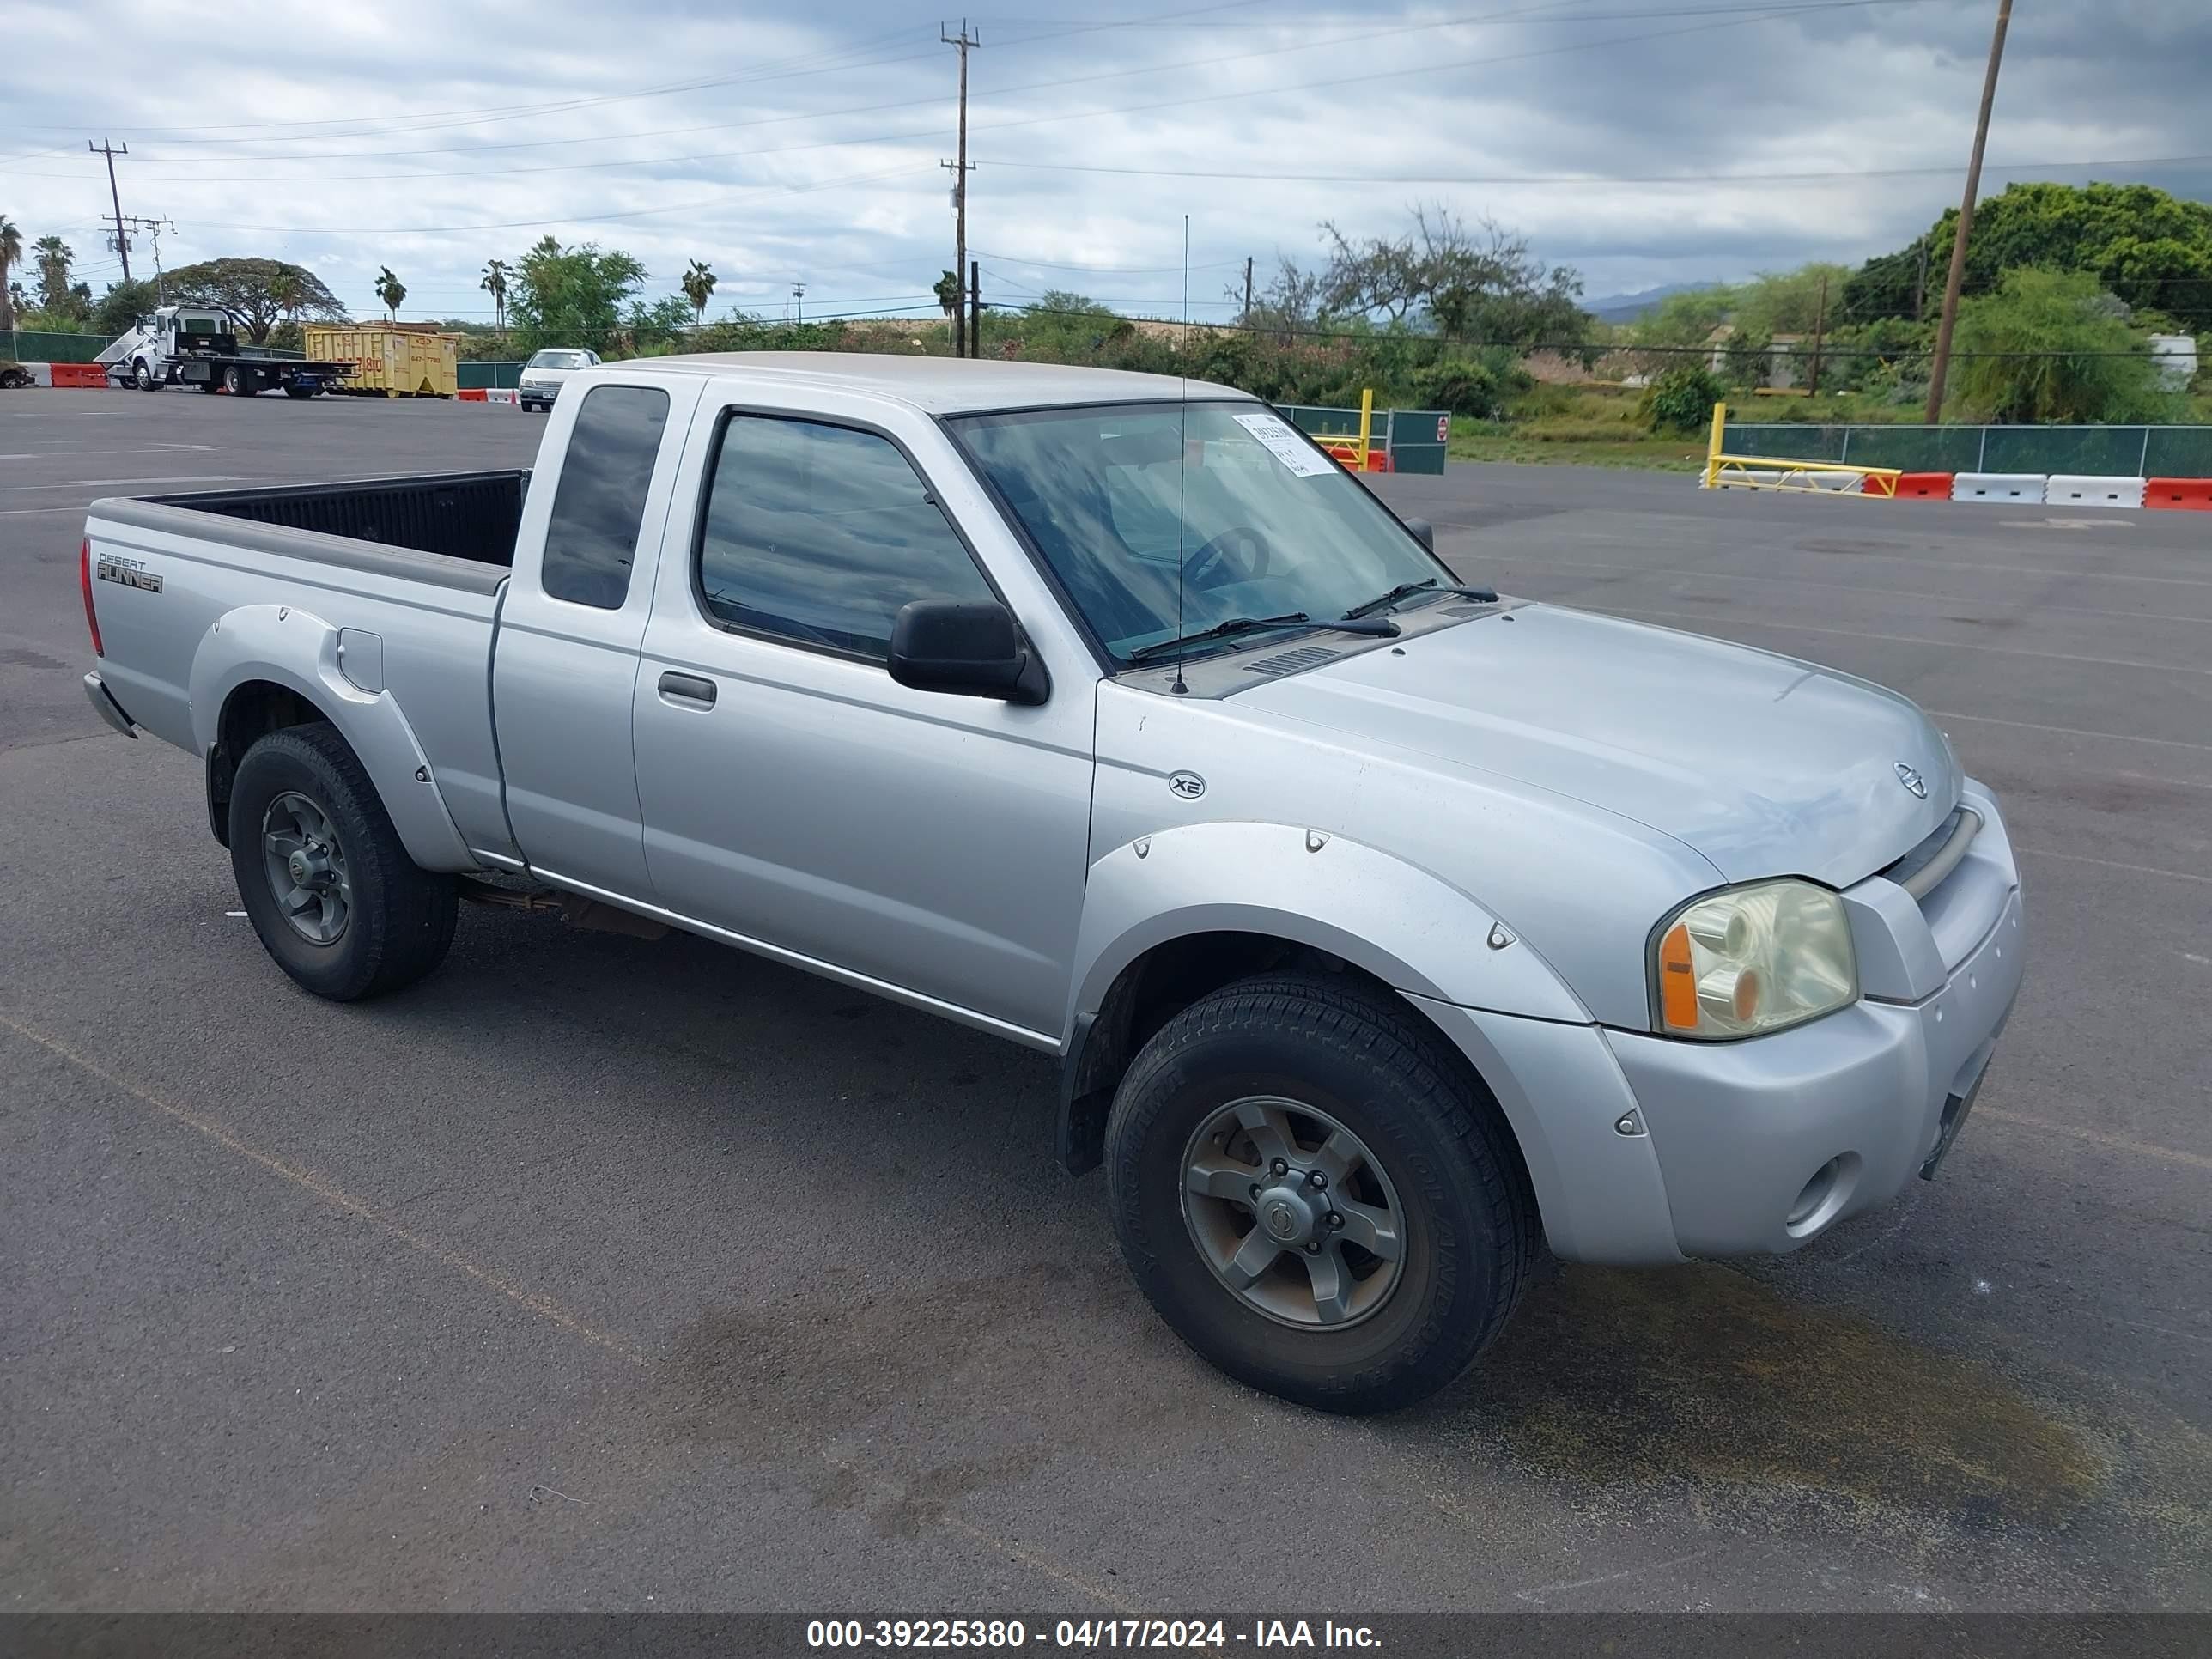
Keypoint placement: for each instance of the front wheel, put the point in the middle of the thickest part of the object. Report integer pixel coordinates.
(141, 376)
(1315, 1197)
(323, 875)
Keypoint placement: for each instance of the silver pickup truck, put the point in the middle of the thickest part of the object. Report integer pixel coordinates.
(1384, 929)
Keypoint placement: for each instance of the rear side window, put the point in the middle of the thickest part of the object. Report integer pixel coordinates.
(592, 537)
(819, 534)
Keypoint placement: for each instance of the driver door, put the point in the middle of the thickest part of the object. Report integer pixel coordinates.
(929, 845)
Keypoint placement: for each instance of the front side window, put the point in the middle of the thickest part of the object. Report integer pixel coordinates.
(591, 540)
(1152, 514)
(819, 534)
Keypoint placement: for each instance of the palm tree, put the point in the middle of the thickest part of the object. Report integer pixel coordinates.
(390, 291)
(494, 283)
(698, 286)
(54, 259)
(284, 289)
(11, 253)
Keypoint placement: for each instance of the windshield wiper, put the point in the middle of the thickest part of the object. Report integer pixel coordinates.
(1219, 631)
(1406, 590)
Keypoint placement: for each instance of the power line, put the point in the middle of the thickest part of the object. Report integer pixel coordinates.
(1583, 179)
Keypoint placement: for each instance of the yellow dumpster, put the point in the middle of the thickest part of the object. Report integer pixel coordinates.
(399, 360)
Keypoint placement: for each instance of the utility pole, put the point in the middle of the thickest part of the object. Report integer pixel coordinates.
(1819, 327)
(1941, 366)
(122, 241)
(799, 300)
(154, 227)
(975, 308)
(1244, 317)
(1920, 287)
(961, 168)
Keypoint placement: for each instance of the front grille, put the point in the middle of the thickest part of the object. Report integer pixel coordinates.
(1922, 869)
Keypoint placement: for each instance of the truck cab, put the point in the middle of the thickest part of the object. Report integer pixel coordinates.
(199, 346)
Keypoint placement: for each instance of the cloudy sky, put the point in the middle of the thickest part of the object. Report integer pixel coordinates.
(1644, 142)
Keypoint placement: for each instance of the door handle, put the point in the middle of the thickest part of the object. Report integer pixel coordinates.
(687, 688)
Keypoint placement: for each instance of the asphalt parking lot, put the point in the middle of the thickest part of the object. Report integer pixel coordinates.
(598, 1274)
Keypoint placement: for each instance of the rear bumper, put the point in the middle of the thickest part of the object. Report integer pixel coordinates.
(104, 704)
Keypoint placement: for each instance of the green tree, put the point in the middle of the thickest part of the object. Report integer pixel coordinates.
(494, 283)
(698, 286)
(2151, 249)
(1680, 400)
(1476, 282)
(2052, 347)
(571, 296)
(390, 291)
(251, 288)
(53, 257)
(657, 327)
(123, 305)
(951, 296)
(11, 255)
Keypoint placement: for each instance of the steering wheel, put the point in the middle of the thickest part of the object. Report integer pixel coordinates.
(1237, 555)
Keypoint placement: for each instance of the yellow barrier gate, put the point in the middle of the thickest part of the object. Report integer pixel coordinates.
(1726, 471)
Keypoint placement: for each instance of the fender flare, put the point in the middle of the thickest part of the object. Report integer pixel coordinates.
(1409, 929)
(295, 648)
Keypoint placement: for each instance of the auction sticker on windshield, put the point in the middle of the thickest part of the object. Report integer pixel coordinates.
(1286, 446)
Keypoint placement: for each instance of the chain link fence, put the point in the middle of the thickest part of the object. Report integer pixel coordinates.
(2122, 452)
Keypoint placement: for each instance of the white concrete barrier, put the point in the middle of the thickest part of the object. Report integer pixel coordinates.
(496, 396)
(1852, 483)
(1998, 487)
(40, 374)
(2083, 489)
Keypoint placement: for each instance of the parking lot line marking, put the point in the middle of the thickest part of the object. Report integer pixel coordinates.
(102, 483)
(544, 1307)
(2113, 864)
(1908, 639)
(2065, 731)
(2099, 1138)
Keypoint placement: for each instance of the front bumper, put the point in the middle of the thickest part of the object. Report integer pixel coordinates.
(1646, 1149)
(537, 392)
(1765, 1144)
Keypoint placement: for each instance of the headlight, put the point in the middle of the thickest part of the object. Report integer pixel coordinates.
(1754, 959)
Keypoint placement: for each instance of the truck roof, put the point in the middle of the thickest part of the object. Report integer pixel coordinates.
(942, 386)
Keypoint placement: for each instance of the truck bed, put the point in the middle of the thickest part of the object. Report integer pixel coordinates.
(459, 515)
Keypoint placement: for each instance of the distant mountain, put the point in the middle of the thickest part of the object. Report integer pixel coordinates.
(1627, 308)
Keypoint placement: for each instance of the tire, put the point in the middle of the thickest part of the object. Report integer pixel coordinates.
(237, 381)
(397, 919)
(299, 392)
(142, 377)
(1435, 1150)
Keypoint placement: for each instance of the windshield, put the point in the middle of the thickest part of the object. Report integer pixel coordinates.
(559, 360)
(1122, 498)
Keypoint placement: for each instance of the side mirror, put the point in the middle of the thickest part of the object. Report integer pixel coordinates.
(969, 648)
(1423, 531)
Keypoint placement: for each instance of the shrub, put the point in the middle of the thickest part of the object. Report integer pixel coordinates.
(1680, 400)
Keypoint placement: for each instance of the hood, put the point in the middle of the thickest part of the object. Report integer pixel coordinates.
(1766, 765)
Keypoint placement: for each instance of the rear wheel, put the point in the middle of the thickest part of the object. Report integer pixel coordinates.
(299, 392)
(1315, 1197)
(322, 874)
(239, 381)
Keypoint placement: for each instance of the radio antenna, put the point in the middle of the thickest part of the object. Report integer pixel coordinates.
(1182, 454)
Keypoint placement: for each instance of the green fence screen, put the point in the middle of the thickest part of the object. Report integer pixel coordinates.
(1416, 438)
(2122, 452)
(487, 377)
(30, 345)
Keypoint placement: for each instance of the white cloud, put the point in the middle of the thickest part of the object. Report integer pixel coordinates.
(364, 135)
